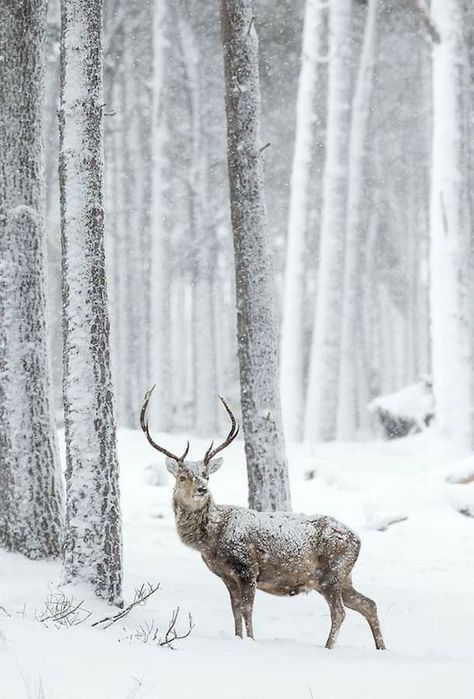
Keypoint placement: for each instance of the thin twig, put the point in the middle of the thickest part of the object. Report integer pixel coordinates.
(251, 24)
(141, 596)
(171, 634)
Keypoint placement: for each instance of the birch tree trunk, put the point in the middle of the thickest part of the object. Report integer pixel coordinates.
(93, 545)
(257, 344)
(160, 313)
(31, 502)
(204, 343)
(321, 406)
(294, 306)
(350, 367)
(451, 331)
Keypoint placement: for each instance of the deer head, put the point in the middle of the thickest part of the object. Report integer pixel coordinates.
(191, 477)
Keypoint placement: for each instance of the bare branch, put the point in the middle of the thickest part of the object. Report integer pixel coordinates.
(141, 595)
(171, 634)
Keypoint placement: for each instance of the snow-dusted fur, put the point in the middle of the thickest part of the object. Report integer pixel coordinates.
(277, 552)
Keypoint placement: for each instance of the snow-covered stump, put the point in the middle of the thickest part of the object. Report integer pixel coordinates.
(257, 342)
(450, 256)
(322, 397)
(31, 500)
(404, 412)
(93, 543)
(292, 353)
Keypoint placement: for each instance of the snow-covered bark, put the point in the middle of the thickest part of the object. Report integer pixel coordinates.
(321, 404)
(451, 330)
(292, 351)
(350, 368)
(31, 503)
(93, 544)
(257, 343)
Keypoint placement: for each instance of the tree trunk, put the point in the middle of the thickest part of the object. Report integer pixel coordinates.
(347, 414)
(321, 406)
(294, 302)
(160, 346)
(449, 212)
(93, 544)
(257, 344)
(31, 502)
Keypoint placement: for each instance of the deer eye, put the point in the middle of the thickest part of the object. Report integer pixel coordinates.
(183, 478)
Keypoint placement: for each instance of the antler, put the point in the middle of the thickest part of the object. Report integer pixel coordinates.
(234, 431)
(146, 430)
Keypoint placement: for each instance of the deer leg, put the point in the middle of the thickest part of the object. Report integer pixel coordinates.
(367, 607)
(332, 595)
(234, 592)
(248, 586)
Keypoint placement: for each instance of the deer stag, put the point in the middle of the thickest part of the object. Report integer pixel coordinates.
(277, 552)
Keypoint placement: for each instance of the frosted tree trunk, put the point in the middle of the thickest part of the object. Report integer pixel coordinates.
(321, 406)
(257, 344)
(31, 502)
(93, 543)
(347, 414)
(451, 330)
(294, 297)
(160, 313)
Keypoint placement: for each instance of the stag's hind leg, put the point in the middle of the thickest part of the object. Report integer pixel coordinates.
(332, 595)
(365, 606)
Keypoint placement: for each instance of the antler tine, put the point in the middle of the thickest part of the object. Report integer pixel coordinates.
(233, 432)
(182, 458)
(145, 428)
(208, 452)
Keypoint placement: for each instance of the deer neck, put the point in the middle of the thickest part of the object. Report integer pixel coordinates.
(192, 523)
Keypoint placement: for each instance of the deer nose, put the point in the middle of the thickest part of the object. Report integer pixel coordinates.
(202, 490)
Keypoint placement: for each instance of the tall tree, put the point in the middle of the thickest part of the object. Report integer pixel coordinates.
(350, 367)
(292, 364)
(93, 545)
(321, 406)
(31, 504)
(160, 345)
(450, 282)
(257, 344)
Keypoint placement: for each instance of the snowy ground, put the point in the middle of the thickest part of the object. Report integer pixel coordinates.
(420, 571)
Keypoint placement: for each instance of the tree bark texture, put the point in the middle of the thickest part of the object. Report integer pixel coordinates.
(31, 495)
(257, 343)
(93, 544)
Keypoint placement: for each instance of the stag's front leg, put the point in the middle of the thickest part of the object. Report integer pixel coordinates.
(234, 592)
(248, 586)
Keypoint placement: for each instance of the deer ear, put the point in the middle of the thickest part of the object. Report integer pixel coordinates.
(214, 465)
(171, 466)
